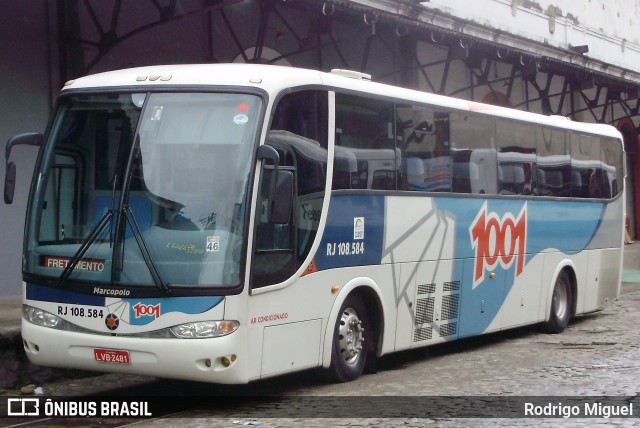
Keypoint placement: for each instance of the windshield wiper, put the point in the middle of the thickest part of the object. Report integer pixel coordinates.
(144, 249)
(97, 230)
(127, 216)
(113, 207)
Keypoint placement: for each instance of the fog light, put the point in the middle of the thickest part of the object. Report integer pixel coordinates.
(228, 360)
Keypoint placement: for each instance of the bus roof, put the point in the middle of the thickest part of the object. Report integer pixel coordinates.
(267, 77)
(273, 79)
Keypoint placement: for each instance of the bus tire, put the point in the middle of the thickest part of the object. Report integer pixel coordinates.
(561, 302)
(348, 348)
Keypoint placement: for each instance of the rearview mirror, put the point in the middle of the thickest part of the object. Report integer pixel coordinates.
(281, 204)
(32, 139)
(280, 193)
(9, 182)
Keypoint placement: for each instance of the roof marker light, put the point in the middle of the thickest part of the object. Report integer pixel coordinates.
(351, 74)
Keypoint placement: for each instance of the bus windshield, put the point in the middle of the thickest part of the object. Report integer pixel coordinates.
(161, 207)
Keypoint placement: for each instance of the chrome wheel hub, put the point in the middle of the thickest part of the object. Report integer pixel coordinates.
(351, 335)
(560, 301)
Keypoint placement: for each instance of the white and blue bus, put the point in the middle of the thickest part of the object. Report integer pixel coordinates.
(227, 223)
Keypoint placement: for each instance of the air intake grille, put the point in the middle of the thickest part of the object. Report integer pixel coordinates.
(451, 286)
(424, 311)
(426, 288)
(448, 329)
(422, 333)
(450, 307)
(437, 310)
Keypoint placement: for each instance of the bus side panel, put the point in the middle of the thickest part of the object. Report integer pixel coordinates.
(405, 316)
(282, 352)
(430, 312)
(419, 242)
(587, 301)
(285, 326)
(416, 230)
(609, 278)
(481, 303)
(522, 303)
(484, 264)
(605, 261)
(498, 248)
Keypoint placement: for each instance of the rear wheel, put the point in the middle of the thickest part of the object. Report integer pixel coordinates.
(349, 347)
(561, 302)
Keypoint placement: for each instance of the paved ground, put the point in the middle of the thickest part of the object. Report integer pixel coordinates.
(9, 314)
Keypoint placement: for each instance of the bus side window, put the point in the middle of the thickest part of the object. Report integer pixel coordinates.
(298, 132)
(554, 162)
(474, 153)
(611, 158)
(424, 139)
(365, 154)
(516, 158)
(585, 157)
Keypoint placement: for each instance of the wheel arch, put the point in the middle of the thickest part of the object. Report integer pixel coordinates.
(370, 294)
(569, 267)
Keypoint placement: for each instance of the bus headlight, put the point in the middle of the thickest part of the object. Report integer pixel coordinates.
(205, 329)
(40, 317)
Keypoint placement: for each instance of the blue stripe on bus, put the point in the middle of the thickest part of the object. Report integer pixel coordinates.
(338, 245)
(185, 305)
(566, 226)
(48, 294)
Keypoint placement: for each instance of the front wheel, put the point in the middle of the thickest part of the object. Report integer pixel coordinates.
(349, 349)
(561, 302)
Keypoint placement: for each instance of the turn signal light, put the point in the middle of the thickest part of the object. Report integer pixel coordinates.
(205, 329)
(228, 360)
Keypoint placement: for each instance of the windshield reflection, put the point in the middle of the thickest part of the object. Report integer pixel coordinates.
(177, 216)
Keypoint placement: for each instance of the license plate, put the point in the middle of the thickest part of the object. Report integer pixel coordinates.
(111, 356)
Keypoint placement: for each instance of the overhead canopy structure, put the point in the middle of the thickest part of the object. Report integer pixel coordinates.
(526, 55)
(422, 38)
